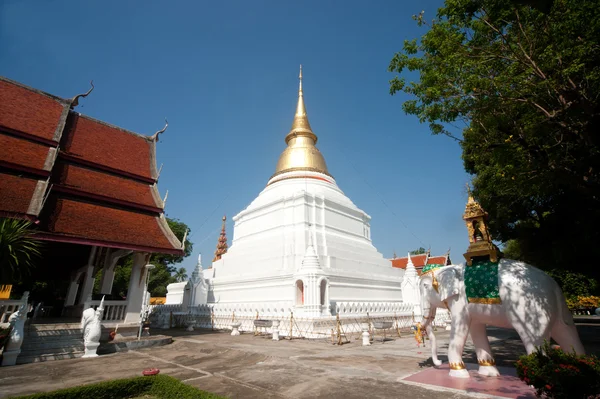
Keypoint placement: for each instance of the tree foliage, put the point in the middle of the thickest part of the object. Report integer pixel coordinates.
(181, 274)
(19, 249)
(418, 251)
(517, 83)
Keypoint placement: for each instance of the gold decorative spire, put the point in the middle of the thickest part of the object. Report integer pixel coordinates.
(480, 240)
(221, 243)
(301, 153)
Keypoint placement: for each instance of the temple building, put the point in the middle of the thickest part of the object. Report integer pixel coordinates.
(90, 189)
(301, 245)
(419, 261)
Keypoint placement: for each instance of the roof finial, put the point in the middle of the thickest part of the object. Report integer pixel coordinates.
(165, 199)
(221, 243)
(75, 100)
(155, 135)
(300, 77)
(470, 193)
(184, 238)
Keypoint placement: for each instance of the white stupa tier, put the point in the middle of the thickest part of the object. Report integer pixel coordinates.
(302, 245)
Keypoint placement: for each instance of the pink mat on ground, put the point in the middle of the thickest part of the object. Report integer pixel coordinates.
(507, 385)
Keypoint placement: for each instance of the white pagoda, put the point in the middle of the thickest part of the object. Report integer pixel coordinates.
(302, 245)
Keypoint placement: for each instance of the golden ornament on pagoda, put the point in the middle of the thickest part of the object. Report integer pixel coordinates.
(221, 243)
(301, 153)
(480, 241)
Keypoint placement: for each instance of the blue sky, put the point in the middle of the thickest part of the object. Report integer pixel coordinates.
(225, 76)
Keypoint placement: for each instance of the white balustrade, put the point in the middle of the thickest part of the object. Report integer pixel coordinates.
(8, 307)
(113, 310)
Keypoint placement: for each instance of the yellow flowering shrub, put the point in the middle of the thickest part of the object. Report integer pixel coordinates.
(583, 302)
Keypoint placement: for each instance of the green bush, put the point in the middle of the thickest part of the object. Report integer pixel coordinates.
(166, 387)
(558, 374)
(162, 386)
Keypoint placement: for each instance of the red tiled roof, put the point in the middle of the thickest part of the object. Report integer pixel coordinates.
(92, 141)
(16, 193)
(87, 222)
(28, 111)
(103, 180)
(437, 260)
(22, 152)
(417, 260)
(107, 185)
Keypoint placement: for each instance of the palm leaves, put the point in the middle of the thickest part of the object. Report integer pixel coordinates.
(18, 249)
(181, 274)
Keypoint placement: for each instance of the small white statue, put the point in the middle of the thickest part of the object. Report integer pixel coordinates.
(366, 337)
(13, 345)
(275, 330)
(92, 329)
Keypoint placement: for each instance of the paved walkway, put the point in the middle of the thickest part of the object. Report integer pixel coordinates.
(257, 367)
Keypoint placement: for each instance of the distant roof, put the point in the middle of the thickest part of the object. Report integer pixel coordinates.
(419, 261)
(80, 179)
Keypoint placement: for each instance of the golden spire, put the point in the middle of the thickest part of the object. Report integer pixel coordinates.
(480, 240)
(301, 153)
(221, 243)
(470, 200)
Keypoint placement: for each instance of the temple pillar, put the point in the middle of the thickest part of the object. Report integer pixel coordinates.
(88, 281)
(108, 271)
(72, 292)
(137, 287)
(108, 277)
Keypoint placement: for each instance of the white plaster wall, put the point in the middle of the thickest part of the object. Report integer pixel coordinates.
(175, 293)
(271, 235)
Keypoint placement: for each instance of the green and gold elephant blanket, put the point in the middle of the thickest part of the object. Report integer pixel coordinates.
(481, 282)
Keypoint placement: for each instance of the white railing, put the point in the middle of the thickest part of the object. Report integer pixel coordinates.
(113, 310)
(8, 307)
(373, 308)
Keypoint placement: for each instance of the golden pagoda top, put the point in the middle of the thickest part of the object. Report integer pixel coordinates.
(473, 209)
(480, 240)
(301, 153)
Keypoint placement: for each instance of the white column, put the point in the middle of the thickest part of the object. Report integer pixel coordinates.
(88, 281)
(72, 293)
(108, 274)
(135, 293)
(108, 271)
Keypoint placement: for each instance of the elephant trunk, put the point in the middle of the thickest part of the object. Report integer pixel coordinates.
(427, 325)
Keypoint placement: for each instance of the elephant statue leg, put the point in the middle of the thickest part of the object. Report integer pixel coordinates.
(567, 337)
(487, 364)
(458, 337)
(532, 338)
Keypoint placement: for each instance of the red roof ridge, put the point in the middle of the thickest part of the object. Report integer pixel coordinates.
(148, 138)
(65, 101)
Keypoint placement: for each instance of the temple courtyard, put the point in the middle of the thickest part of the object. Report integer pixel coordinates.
(249, 366)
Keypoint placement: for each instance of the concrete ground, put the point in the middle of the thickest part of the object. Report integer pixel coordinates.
(257, 367)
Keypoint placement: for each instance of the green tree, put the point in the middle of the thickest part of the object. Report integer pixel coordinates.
(181, 274)
(19, 250)
(575, 284)
(516, 83)
(418, 251)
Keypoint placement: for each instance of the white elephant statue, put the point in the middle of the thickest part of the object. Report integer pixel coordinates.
(508, 294)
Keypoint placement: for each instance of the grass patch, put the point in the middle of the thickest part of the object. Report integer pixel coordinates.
(151, 387)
